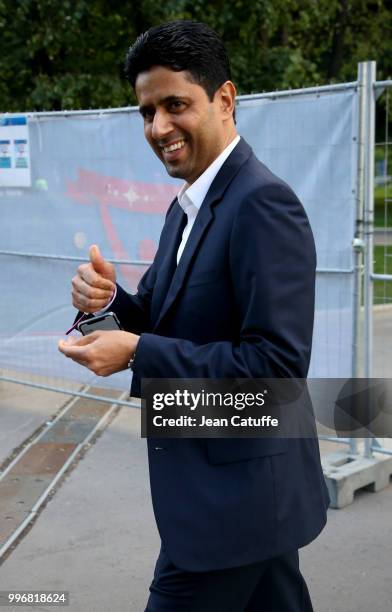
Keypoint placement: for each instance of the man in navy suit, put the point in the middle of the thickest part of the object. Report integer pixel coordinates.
(230, 294)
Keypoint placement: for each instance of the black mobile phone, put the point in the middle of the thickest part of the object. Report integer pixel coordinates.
(107, 321)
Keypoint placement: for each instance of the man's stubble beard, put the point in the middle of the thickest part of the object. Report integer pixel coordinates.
(175, 172)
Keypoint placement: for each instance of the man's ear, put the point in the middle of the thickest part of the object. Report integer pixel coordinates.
(226, 96)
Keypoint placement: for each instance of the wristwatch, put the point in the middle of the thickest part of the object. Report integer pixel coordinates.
(131, 361)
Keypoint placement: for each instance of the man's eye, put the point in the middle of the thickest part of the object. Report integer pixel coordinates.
(176, 105)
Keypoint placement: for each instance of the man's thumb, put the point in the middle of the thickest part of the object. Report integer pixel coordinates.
(98, 262)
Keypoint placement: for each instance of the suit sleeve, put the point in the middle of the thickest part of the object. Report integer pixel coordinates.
(133, 311)
(272, 266)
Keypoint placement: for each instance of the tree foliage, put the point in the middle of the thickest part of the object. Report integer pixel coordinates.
(69, 54)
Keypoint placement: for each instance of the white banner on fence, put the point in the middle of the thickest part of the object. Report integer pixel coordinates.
(95, 180)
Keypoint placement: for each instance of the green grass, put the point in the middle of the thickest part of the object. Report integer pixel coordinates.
(379, 217)
(382, 216)
(382, 290)
(382, 265)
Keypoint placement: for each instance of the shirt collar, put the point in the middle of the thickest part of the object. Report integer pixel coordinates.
(190, 197)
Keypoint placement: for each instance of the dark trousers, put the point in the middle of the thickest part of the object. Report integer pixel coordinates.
(274, 585)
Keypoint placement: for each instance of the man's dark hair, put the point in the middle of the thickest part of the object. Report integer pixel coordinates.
(181, 45)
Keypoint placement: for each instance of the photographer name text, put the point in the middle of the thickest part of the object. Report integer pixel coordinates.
(234, 421)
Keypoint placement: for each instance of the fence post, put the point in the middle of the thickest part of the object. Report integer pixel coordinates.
(367, 72)
(358, 243)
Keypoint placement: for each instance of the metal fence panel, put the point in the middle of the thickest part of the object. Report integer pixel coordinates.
(95, 180)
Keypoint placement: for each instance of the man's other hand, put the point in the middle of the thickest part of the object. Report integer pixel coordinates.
(94, 283)
(102, 352)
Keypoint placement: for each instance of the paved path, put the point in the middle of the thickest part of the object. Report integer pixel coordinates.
(382, 236)
(97, 536)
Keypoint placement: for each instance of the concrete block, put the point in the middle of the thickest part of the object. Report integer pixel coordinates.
(346, 473)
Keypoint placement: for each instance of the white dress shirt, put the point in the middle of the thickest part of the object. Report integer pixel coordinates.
(191, 197)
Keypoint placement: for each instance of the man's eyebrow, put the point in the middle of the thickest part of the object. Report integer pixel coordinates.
(173, 98)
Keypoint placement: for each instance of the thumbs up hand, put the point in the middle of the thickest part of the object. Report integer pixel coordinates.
(94, 283)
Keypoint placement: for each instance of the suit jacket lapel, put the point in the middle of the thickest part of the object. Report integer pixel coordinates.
(203, 220)
(174, 227)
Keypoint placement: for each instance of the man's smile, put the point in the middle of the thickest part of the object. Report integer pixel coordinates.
(173, 150)
(178, 144)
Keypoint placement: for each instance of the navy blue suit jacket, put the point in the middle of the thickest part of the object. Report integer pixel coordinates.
(239, 304)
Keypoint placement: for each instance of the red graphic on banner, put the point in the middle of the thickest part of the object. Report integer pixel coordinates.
(135, 196)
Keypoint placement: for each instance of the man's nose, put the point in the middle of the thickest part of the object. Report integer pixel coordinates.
(161, 125)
